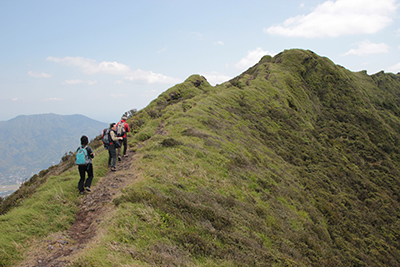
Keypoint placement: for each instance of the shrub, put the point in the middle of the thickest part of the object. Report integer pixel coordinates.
(170, 142)
(142, 136)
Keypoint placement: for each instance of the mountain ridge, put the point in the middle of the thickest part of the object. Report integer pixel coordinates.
(292, 163)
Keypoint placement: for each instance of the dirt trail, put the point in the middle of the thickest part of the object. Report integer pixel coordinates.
(60, 249)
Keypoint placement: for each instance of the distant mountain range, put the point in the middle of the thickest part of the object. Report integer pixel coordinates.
(35, 142)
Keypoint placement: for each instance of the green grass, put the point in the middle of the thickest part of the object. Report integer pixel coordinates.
(293, 163)
(266, 173)
(50, 208)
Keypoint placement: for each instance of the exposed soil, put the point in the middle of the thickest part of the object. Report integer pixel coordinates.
(58, 250)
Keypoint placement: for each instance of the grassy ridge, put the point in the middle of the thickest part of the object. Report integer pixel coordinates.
(293, 163)
(290, 164)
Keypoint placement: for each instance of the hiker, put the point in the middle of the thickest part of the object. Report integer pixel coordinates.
(122, 129)
(114, 143)
(85, 165)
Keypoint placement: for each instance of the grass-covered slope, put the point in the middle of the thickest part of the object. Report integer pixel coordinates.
(293, 163)
(42, 206)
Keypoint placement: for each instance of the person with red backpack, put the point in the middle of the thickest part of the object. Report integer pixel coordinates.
(122, 129)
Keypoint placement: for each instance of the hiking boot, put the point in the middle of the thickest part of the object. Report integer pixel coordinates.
(82, 192)
(88, 189)
(113, 169)
(119, 158)
(125, 155)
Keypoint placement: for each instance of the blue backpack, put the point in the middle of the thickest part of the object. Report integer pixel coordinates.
(82, 157)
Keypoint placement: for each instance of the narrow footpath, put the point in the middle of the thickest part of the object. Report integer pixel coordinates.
(59, 250)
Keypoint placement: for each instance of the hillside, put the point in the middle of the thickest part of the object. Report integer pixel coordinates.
(295, 162)
(35, 142)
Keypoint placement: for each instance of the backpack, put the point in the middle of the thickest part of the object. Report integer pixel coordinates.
(82, 157)
(121, 129)
(106, 138)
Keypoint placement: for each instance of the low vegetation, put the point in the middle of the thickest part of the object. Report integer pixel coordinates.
(293, 163)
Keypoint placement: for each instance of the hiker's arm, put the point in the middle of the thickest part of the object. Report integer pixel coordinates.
(114, 137)
(90, 152)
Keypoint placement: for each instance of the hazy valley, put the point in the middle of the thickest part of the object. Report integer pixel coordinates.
(32, 143)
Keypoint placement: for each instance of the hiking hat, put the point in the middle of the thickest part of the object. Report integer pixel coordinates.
(124, 117)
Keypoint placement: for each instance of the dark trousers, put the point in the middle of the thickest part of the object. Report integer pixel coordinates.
(82, 172)
(124, 143)
(112, 155)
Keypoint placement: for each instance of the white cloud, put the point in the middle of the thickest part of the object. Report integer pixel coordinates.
(73, 82)
(38, 75)
(150, 93)
(163, 49)
(216, 78)
(252, 58)
(90, 66)
(197, 35)
(341, 17)
(79, 82)
(394, 68)
(219, 43)
(150, 77)
(52, 99)
(367, 48)
(14, 99)
(117, 95)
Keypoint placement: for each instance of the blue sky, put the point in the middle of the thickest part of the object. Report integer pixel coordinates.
(102, 58)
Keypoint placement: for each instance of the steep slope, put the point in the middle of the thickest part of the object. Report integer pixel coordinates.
(293, 163)
(35, 142)
(289, 163)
